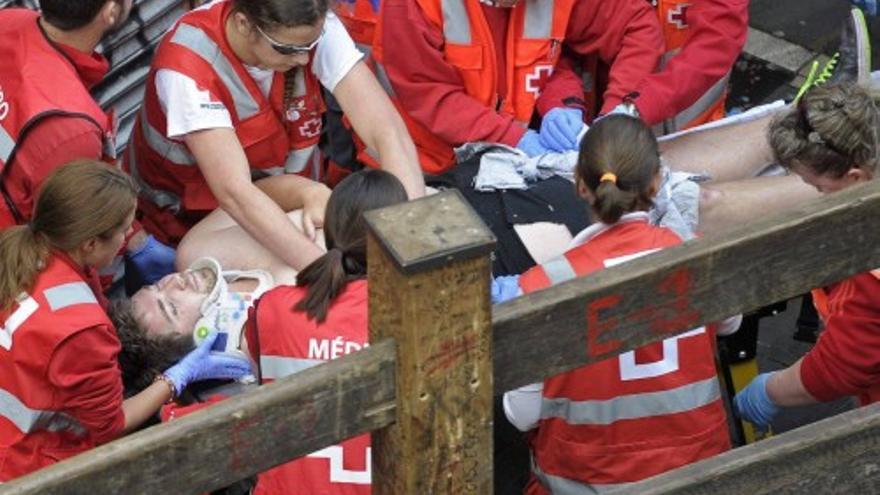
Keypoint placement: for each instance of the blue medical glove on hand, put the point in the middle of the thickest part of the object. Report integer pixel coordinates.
(153, 260)
(560, 129)
(202, 364)
(530, 144)
(754, 405)
(505, 288)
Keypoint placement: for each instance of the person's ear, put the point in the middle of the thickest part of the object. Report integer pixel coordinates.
(242, 24)
(656, 182)
(856, 175)
(584, 191)
(110, 12)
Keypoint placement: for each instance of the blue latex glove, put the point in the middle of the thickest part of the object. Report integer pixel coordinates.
(530, 144)
(505, 288)
(153, 260)
(754, 405)
(202, 364)
(869, 7)
(560, 129)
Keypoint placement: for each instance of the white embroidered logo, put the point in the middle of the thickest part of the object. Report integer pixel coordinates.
(678, 15)
(536, 80)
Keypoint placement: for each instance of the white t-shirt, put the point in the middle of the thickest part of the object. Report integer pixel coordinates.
(189, 108)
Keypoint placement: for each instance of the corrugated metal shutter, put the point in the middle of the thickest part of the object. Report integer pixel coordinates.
(129, 51)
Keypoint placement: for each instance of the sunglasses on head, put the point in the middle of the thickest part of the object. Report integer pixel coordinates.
(285, 49)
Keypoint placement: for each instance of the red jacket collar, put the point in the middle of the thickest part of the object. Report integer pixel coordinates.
(91, 67)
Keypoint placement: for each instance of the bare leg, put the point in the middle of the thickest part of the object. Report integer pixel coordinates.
(729, 204)
(731, 152)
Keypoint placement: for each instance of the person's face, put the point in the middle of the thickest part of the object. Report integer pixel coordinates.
(103, 251)
(283, 48)
(828, 184)
(173, 305)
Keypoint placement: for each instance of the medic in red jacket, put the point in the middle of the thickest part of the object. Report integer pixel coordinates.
(631, 417)
(55, 408)
(476, 72)
(645, 411)
(33, 69)
(342, 469)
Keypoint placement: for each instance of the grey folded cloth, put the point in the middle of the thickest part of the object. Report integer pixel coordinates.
(505, 167)
(677, 204)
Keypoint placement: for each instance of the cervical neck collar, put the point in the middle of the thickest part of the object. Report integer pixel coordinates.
(224, 311)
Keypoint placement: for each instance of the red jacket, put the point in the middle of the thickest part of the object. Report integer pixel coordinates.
(33, 69)
(284, 342)
(846, 359)
(704, 39)
(627, 418)
(175, 194)
(60, 381)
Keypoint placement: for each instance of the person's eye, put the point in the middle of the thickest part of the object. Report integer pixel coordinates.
(173, 308)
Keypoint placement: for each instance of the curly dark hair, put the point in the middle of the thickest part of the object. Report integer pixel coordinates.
(144, 356)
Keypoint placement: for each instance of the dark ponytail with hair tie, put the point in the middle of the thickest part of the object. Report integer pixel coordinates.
(346, 236)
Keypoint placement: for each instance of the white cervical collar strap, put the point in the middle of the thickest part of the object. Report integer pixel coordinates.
(223, 311)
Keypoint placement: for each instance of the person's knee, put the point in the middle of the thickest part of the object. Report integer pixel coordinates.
(711, 201)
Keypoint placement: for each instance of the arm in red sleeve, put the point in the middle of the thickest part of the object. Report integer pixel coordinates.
(430, 89)
(53, 142)
(719, 31)
(563, 89)
(846, 359)
(87, 379)
(626, 36)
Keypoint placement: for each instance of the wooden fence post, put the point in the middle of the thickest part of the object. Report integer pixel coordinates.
(429, 275)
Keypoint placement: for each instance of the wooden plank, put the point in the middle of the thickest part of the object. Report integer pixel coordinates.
(439, 315)
(621, 308)
(236, 438)
(840, 454)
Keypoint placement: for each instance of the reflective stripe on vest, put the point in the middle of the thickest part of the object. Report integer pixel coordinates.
(456, 23)
(166, 148)
(7, 144)
(159, 197)
(202, 45)
(538, 22)
(71, 294)
(700, 106)
(558, 485)
(29, 420)
(559, 270)
(275, 367)
(605, 412)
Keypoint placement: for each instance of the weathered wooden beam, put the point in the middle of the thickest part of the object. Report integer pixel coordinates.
(840, 454)
(235, 438)
(429, 289)
(621, 308)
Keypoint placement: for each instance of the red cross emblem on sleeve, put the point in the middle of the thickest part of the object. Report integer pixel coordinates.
(678, 15)
(536, 80)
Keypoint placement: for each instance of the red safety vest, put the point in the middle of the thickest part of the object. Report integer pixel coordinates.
(289, 342)
(676, 30)
(174, 193)
(31, 74)
(35, 430)
(634, 416)
(536, 31)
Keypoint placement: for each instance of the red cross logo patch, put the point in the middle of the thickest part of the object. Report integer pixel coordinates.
(310, 128)
(678, 15)
(536, 80)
